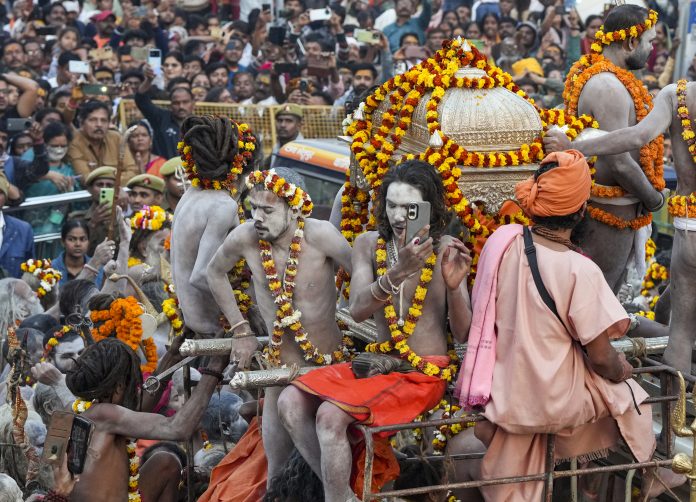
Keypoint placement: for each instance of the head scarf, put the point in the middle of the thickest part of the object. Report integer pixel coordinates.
(560, 191)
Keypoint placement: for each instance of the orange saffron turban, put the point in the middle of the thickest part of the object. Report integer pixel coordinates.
(560, 191)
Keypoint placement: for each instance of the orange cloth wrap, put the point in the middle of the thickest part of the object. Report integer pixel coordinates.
(559, 191)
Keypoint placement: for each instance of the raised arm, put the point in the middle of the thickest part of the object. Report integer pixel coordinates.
(611, 105)
(30, 93)
(621, 140)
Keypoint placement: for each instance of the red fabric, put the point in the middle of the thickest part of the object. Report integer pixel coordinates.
(379, 400)
(389, 399)
(241, 475)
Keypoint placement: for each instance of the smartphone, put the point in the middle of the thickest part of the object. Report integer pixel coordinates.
(276, 35)
(68, 434)
(81, 67)
(366, 36)
(46, 30)
(303, 86)
(102, 54)
(413, 53)
(280, 68)
(417, 217)
(560, 9)
(98, 89)
(80, 436)
(18, 125)
(140, 54)
(319, 66)
(154, 58)
(216, 32)
(106, 196)
(319, 14)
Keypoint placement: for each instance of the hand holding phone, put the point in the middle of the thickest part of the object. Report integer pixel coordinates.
(81, 67)
(106, 197)
(417, 218)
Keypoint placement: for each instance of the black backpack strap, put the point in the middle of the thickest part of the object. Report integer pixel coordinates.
(530, 251)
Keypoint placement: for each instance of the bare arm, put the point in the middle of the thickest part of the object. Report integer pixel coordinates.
(29, 89)
(610, 104)
(632, 138)
(213, 235)
(122, 421)
(456, 262)
(606, 361)
(222, 262)
(334, 245)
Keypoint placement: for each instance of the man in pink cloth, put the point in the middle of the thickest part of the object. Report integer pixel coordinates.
(537, 373)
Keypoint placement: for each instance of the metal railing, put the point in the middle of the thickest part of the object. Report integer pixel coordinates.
(318, 121)
(663, 456)
(37, 212)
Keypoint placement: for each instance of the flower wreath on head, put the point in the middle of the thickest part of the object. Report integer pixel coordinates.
(53, 341)
(41, 269)
(634, 31)
(150, 218)
(246, 142)
(296, 198)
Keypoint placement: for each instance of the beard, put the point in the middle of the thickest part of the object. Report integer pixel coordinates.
(638, 59)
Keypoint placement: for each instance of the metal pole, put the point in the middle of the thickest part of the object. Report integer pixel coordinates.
(190, 495)
(550, 464)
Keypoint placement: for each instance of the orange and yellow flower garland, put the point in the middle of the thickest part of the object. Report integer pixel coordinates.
(635, 31)
(53, 341)
(400, 335)
(651, 155)
(123, 319)
(688, 134)
(296, 198)
(80, 406)
(151, 218)
(246, 147)
(682, 206)
(286, 315)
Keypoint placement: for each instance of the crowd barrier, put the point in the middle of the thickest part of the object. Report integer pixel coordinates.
(318, 121)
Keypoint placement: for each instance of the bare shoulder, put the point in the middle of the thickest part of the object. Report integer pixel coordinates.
(366, 241)
(243, 234)
(317, 230)
(604, 88)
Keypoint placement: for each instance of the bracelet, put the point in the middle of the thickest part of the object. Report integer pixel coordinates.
(246, 334)
(91, 268)
(374, 295)
(212, 373)
(235, 326)
(394, 289)
(384, 290)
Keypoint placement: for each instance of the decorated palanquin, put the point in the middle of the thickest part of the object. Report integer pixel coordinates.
(464, 116)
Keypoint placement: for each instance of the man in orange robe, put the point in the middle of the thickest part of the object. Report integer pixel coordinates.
(522, 351)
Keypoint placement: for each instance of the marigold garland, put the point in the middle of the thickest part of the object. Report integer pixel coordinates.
(123, 319)
(651, 154)
(374, 144)
(682, 206)
(635, 31)
(287, 317)
(150, 218)
(296, 198)
(53, 341)
(683, 111)
(400, 335)
(246, 147)
(80, 406)
(41, 269)
(134, 261)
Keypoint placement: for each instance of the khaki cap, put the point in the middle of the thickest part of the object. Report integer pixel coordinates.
(291, 109)
(170, 167)
(101, 172)
(147, 181)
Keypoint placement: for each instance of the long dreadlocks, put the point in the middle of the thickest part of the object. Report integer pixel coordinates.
(101, 368)
(214, 144)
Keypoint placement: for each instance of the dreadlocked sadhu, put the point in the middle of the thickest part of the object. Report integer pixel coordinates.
(217, 153)
(520, 343)
(106, 381)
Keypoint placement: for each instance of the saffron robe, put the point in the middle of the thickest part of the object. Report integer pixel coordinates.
(542, 380)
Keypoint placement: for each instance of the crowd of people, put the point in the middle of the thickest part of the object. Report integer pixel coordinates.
(161, 252)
